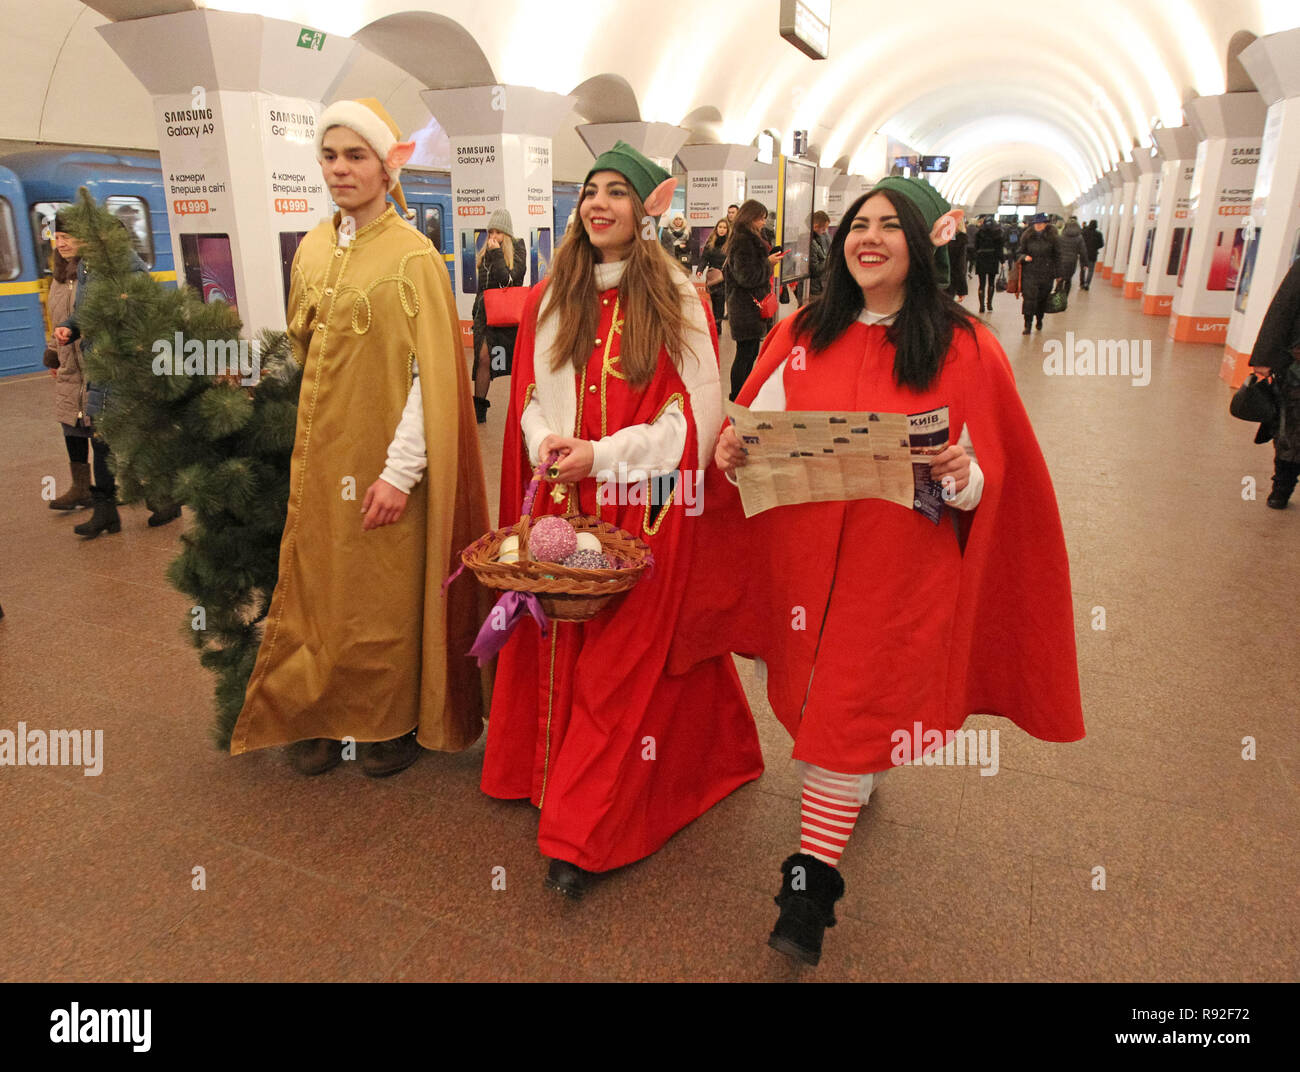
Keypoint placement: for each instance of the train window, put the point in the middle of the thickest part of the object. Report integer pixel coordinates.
(11, 265)
(433, 225)
(43, 213)
(134, 212)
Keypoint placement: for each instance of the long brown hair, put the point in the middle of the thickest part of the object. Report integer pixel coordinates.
(716, 239)
(650, 302)
(743, 224)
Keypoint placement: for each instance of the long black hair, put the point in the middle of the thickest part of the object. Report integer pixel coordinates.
(921, 332)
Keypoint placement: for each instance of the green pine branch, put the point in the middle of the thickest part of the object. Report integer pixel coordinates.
(202, 441)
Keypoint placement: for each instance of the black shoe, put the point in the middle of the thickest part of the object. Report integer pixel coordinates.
(1026, 331)
(568, 879)
(315, 755)
(163, 516)
(382, 758)
(104, 519)
(981, 307)
(1285, 475)
(481, 406)
(807, 899)
(1038, 326)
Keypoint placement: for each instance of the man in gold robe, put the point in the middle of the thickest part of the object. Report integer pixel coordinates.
(361, 643)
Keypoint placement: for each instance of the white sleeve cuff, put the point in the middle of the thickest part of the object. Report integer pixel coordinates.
(406, 453)
(641, 451)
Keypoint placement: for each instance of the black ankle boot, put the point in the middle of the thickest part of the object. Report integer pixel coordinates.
(104, 519)
(1029, 324)
(1285, 475)
(481, 406)
(807, 899)
(161, 515)
(568, 879)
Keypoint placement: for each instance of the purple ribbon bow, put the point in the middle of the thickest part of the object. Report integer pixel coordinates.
(501, 622)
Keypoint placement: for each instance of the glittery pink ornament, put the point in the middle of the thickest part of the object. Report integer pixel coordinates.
(552, 539)
(585, 558)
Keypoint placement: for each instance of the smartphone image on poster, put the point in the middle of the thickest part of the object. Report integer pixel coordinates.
(1234, 259)
(1182, 261)
(1220, 260)
(1146, 248)
(539, 252)
(1175, 251)
(210, 267)
(1247, 272)
(471, 244)
(289, 242)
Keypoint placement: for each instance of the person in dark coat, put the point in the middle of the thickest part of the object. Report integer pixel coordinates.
(957, 262)
(1092, 243)
(1276, 350)
(502, 263)
(712, 258)
(989, 251)
(1037, 253)
(1072, 251)
(821, 244)
(747, 275)
(676, 240)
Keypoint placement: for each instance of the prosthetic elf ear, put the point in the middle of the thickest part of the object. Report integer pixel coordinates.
(945, 227)
(661, 197)
(398, 155)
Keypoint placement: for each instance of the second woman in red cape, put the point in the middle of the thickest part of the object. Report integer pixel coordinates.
(616, 370)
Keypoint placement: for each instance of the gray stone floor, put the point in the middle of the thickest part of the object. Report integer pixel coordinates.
(950, 875)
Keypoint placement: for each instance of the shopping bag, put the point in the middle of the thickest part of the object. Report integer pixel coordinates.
(1000, 284)
(1013, 280)
(1056, 301)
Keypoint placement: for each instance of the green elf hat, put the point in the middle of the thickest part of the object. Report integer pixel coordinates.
(643, 173)
(940, 217)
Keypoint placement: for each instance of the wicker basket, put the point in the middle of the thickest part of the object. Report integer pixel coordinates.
(566, 594)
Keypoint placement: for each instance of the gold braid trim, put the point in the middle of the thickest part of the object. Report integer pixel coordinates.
(407, 293)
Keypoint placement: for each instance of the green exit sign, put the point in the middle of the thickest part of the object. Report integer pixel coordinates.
(308, 38)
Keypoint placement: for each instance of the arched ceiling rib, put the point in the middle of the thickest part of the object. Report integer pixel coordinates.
(968, 78)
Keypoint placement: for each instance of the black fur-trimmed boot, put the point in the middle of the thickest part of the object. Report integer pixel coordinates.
(809, 890)
(481, 406)
(1285, 475)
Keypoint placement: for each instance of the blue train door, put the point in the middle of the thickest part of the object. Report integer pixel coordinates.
(22, 323)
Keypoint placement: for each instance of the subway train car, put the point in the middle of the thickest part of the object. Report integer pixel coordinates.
(38, 183)
(22, 323)
(129, 184)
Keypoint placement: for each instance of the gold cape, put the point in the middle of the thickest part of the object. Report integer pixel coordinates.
(360, 639)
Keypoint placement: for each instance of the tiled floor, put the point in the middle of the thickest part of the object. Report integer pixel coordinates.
(950, 875)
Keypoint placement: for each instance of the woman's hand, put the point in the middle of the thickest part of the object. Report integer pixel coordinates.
(729, 455)
(953, 463)
(575, 461)
(494, 242)
(773, 258)
(382, 505)
(64, 335)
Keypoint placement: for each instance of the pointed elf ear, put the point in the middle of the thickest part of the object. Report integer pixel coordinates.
(661, 197)
(945, 227)
(398, 155)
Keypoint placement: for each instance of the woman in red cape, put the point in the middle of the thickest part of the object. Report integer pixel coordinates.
(615, 370)
(882, 631)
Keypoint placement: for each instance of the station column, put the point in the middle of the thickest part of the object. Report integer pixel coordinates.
(1128, 175)
(1173, 217)
(715, 178)
(1274, 242)
(1227, 159)
(1145, 201)
(236, 98)
(1109, 221)
(500, 159)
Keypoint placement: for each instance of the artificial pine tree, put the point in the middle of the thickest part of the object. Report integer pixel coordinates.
(194, 439)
